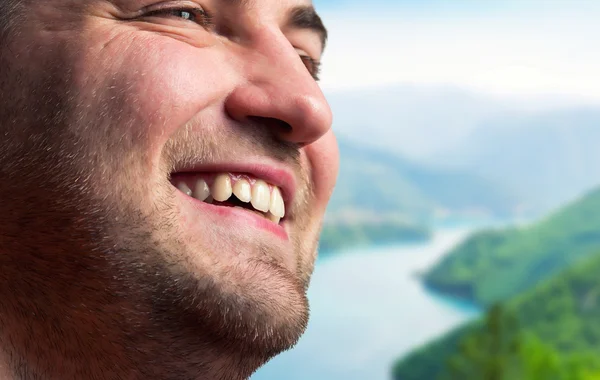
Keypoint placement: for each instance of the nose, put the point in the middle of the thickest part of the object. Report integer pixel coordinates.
(279, 92)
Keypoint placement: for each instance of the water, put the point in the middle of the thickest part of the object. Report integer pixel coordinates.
(367, 309)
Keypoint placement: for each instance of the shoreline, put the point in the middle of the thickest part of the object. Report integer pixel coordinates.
(462, 303)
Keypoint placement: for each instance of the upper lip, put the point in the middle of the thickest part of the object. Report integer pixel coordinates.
(276, 175)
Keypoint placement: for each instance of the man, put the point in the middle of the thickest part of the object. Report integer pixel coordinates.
(164, 171)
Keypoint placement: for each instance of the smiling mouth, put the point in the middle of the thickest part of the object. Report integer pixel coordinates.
(233, 190)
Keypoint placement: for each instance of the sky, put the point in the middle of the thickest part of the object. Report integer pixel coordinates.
(506, 47)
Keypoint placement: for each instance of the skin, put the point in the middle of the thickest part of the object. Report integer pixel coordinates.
(105, 272)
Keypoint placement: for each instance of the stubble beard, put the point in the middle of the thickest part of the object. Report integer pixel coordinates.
(98, 252)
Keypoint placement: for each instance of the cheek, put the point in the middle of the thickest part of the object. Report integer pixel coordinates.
(154, 85)
(323, 157)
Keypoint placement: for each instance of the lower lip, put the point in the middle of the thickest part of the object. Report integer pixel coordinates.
(236, 215)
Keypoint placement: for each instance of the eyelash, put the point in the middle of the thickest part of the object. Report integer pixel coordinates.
(199, 15)
(204, 19)
(313, 65)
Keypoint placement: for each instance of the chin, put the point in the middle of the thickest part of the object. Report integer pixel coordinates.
(257, 309)
(268, 304)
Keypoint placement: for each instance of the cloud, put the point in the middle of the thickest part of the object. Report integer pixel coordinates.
(520, 48)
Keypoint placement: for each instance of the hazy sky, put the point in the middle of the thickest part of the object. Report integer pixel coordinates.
(515, 47)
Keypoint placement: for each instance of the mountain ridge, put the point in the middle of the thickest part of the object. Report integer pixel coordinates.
(372, 180)
(475, 269)
(559, 316)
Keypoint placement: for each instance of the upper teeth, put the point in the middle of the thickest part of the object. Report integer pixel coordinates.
(262, 196)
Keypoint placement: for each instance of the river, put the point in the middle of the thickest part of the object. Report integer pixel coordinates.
(367, 309)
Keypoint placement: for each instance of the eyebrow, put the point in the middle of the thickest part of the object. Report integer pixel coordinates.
(306, 17)
(300, 17)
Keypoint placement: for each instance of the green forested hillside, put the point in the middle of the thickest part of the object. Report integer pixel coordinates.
(550, 332)
(496, 265)
(381, 198)
(355, 235)
(376, 183)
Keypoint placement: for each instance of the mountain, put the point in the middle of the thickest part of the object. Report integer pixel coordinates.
(548, 332)
(495, 265)
(382, 198)
(338, 236)
(421, 121)
(546, 158)
(541, 149)
(377, 185)
(416, 121)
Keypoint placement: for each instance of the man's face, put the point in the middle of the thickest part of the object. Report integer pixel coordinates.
(122, 114)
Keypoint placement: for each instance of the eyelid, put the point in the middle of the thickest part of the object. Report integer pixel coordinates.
(154, 9)
(165, 5)
(315, 63)
(316, 66)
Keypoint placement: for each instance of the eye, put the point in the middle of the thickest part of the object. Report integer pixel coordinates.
(313, 65)
(187, 14)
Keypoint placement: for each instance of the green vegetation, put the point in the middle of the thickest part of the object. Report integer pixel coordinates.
(377, 185)
(381, 198)
(493, 266)
(551, 332)
(335, 237)
(500, 350)
(369, 187)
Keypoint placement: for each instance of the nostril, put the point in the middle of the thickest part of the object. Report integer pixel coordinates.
(276, 125)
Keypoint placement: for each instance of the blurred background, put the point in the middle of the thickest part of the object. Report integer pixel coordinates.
(463, 238)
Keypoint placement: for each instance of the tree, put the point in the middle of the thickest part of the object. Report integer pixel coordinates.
(499, 350)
